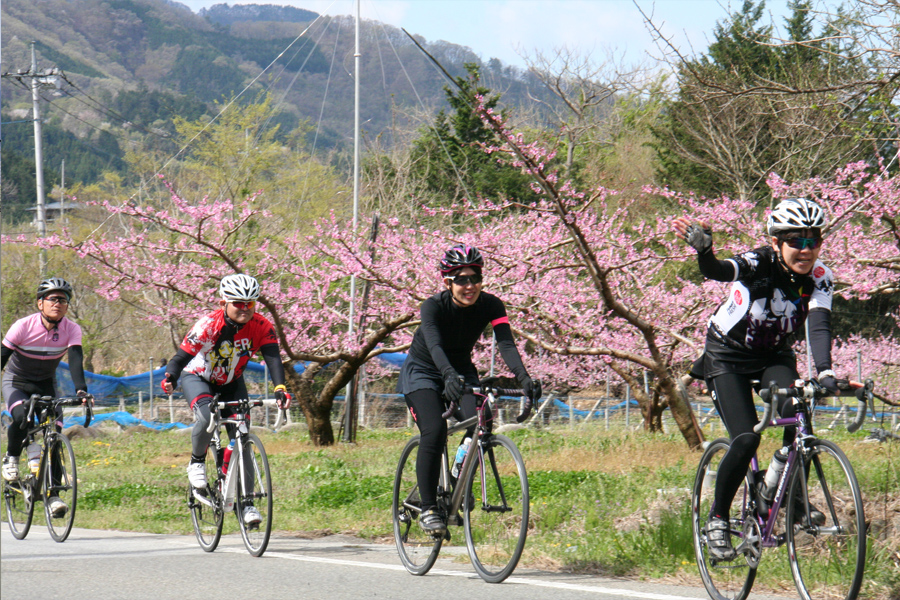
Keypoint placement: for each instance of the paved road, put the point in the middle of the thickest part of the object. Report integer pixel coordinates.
(115, 565)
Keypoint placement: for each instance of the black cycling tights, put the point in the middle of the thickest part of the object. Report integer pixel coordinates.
(734, 400)
(427, 407)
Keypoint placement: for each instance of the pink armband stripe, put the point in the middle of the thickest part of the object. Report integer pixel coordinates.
(499, 321)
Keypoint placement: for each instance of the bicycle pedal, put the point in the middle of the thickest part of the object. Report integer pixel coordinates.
(446, 535)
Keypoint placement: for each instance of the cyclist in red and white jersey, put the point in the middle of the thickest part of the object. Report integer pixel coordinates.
(32, 350)
(776, 290)
(212, 359)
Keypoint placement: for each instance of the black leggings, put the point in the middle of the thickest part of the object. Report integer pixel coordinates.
(733, 398)
(427, 407)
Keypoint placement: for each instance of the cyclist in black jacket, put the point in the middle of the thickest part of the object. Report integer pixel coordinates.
(440, 362)
(775, 289)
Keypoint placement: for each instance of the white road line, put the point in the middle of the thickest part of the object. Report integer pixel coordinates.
(519, 580)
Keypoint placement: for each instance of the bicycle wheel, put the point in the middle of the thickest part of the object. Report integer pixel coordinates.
(254, 489)
(496, 509)
(18, 498)
(60, 485)
(206, 506)
(726, 580)
(418, 550)
(827, 561)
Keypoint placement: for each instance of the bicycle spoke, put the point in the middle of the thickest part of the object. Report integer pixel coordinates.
(18, 500)
(60, 487)
(827, 560)
(418, 550)
(729, 580)
(207, 517)
(254, 496)
(496, 509)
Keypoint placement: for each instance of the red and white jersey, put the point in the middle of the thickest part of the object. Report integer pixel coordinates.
(221, 351)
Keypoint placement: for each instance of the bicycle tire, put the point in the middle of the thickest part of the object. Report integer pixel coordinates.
(61, 481)
(418, 550)
(256, 491)
(827, 561)
(18, 500)
(729, 580)
(207, 520)
(496, 508)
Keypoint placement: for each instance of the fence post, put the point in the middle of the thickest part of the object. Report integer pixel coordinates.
(122, 403)
(171, 410)
(151, 389)
(627, 406)
(571, 411)
(266, 393)
(141, 405)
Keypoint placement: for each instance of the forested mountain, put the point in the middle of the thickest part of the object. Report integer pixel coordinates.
(132, 66)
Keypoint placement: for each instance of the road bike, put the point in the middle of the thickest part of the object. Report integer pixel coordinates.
(54, 477)
(491, 490)
(235, 484)
(826, 556)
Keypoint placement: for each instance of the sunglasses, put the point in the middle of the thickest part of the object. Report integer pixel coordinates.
(62, 300)
(799, 243)
(462, 280)
(244, 305)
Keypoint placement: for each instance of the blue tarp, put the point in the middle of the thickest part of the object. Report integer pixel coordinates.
(122, 418)
(108, 387)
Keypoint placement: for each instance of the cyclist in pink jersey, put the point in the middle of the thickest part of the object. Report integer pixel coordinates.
(212, 359)
(31, 351)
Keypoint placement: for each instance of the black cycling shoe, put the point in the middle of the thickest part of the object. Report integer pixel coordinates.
(432, 522)
(718, 540)
(816, 517)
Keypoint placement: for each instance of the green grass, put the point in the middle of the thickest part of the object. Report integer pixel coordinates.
(605, 503)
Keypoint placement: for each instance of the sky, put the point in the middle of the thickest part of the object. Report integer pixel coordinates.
(505, 29)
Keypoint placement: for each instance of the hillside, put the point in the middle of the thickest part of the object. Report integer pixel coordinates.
(131, 66)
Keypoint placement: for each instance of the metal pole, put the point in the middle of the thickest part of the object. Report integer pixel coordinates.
(62, 194)
(151, 388)
(171, 410)
(493, 352)
(141, 405)
(38, 160)
(809, 372)
(348, 399)
(266, 392)
(627, 405)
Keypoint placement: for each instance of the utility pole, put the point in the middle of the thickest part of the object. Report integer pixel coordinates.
(39, 79)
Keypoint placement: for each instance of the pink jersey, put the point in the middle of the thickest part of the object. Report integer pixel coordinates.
(220, 353)
(37, 351)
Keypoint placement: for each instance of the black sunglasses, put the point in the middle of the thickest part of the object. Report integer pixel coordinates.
(462, 280)
(799, 243)
(56, 299)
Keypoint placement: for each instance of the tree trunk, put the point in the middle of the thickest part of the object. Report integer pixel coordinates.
(682, 413)
(316, 409)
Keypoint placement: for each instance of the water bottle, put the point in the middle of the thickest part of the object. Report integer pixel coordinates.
(226, 456)
(460, 456)
(773, 473)
(34, 457)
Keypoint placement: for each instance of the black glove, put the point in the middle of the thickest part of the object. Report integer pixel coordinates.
(453, 386)
(828, 382)
(167, 378)
(531, 388)
(698, 238)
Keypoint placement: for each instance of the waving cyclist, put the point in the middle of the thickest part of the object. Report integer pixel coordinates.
(32, 350)
(775, 289)
(212, 358)
(440, 359)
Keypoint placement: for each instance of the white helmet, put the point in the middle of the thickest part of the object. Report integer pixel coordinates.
(239, 288)
(795, 213)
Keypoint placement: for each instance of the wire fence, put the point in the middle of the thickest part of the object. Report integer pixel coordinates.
(389, 411)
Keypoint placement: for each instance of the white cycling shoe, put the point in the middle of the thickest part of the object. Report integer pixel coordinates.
(57, 507)
(10, 468)
(197, 475)
(252, 518)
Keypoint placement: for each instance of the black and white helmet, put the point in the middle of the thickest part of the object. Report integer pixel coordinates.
(54, 284)
(795, 213)
(239, 288)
